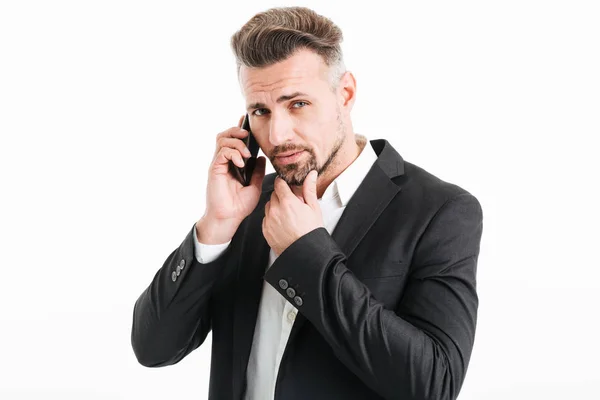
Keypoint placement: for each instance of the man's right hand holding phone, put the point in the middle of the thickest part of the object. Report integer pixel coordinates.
(228, 201)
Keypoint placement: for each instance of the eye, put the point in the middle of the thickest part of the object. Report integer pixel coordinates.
(259, 111)
(299, 102)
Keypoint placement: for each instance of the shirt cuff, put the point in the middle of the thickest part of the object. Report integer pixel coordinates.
(206, 253)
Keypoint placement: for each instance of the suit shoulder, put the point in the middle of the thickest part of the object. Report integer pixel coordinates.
(428, 189)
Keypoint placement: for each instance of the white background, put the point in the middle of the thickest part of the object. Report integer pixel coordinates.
(108, 113)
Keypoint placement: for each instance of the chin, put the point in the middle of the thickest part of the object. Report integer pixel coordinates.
(293, 178)
(294, 174)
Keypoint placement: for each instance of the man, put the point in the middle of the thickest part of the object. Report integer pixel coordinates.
(348, 274)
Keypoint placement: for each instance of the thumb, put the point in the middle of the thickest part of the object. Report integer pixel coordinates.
(309, 189)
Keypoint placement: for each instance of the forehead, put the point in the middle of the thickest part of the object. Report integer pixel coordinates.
(301, 70)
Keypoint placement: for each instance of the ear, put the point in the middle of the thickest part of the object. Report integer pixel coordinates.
(347, 91)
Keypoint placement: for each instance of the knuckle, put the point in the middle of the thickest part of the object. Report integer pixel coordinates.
(225, 154)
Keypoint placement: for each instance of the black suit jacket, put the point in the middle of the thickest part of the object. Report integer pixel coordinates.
(388, 301)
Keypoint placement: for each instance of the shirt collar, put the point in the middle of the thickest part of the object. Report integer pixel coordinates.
(346, 183)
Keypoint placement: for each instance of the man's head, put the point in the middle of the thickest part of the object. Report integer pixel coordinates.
(297, 91)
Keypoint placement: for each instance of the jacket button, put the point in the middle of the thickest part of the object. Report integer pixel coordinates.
(291, 316)
(283, 284)
(182, 263)
(174, 276)
(298, 301)
(178, 270)
(291, 292)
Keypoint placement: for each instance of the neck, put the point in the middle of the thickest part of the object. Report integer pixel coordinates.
(349, 154)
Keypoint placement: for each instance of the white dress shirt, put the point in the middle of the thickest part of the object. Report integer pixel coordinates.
(276, 315)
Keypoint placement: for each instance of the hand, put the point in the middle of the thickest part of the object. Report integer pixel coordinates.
(288, 216)
(228, 202)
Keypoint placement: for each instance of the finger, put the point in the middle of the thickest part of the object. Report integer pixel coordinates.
(241, 121)
(234, 143)
(267, 207)
(309, 189)
(274, 199)
(276, 206)
(227, 154)
(281, 188)
(235, 131)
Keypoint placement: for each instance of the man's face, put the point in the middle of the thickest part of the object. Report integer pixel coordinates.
(293, 109)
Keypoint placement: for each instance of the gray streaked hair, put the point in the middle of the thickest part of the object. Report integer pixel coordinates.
(273, 35)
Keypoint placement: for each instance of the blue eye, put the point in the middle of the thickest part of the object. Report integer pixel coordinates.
(255, 112)
(300, 102)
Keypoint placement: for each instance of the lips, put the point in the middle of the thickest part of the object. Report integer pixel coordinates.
(289, 159)
(288, 153)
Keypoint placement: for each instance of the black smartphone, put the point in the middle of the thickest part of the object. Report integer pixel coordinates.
(244, 174)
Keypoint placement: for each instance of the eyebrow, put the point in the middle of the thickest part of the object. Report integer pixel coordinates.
(279, 100)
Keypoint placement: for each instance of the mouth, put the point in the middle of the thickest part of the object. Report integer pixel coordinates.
(288, 158)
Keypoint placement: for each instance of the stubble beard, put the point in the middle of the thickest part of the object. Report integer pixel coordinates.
(296, 173)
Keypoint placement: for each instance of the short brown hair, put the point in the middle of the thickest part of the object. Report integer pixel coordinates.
(274, 35)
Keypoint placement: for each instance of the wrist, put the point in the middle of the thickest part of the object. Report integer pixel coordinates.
(215, 231)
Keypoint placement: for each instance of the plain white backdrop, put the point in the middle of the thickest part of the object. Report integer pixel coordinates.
(108, 117)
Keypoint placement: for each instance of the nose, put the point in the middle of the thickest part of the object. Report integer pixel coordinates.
(280, 129)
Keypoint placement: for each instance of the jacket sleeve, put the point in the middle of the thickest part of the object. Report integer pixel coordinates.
(172, 316)
(424, 345)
